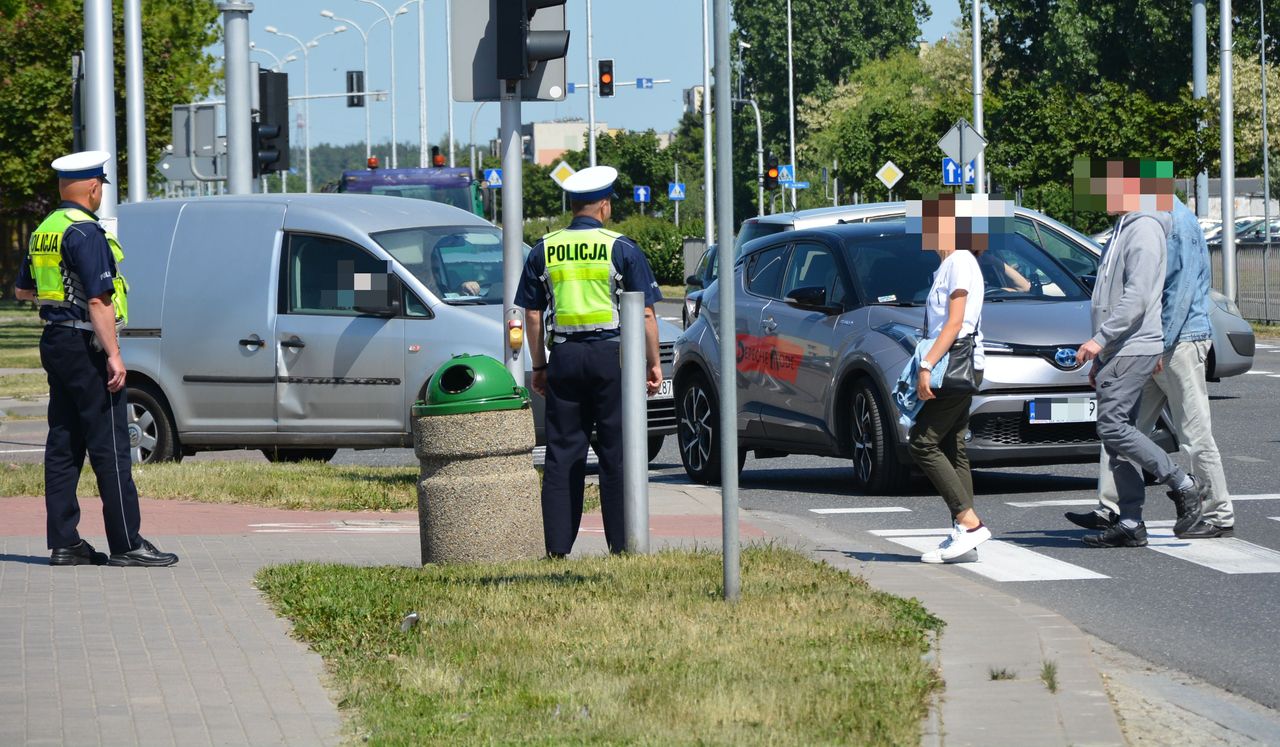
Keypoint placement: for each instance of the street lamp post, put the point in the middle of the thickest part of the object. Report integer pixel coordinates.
(391, 25)
(279, 62)
(791, 105)
(364, 37)
(448, 75)
(708, 188)
(306, 85)
(422, 84)
(472, 140)
(591, 95)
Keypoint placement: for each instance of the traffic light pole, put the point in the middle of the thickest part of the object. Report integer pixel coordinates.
(135, 101)
(240, 144)
(100, 109)
(759, 151)
(512, 225)
(591, 94)
(708, 189)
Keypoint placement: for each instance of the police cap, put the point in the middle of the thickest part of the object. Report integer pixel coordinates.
(86, 164)
(591, 184)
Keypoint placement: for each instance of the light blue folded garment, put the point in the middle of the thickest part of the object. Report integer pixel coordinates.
(904, 392)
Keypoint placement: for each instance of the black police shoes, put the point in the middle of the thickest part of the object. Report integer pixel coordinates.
(1098, 520)
(1205, 530)
(1118, 536)
(81, 554)
(145, 555)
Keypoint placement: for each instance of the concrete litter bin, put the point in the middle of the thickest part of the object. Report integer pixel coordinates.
(478, 492)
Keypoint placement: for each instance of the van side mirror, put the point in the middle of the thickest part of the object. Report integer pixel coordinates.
(378, 303)
(812, 298)
(694, 281)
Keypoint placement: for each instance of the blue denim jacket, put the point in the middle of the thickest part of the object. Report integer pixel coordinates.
(1185, 311)
(904, 392)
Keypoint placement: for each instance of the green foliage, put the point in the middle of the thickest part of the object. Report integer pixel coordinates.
(661, 242)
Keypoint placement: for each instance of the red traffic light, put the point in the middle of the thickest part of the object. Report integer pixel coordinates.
(773, 173)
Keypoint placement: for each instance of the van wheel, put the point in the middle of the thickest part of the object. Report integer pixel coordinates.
(152, 434)
(698, 416)
(875, 460)
(291, 455)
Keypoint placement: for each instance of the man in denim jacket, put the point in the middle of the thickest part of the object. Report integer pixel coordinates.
(1179, 381)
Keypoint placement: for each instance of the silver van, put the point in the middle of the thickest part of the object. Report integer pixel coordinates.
(301, 324)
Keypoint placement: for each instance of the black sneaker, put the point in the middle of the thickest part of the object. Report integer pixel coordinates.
(1189, 504)
(81, 554)
(1118, 536)
(1098, 520)
(144, 555)
(1205, 530)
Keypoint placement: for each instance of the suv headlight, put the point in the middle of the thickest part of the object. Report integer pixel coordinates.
(904, 334)
(1226, 304)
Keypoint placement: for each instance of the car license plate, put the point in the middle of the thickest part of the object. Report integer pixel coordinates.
(664, 392)
(1062, 410)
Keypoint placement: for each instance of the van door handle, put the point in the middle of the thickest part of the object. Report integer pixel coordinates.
(293, 343)
(768, 325)
(252, 342)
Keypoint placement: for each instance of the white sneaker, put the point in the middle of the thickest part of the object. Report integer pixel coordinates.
(936, 555)
(965, 543)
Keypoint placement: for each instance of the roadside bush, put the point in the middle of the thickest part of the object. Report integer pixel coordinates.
(661, 242)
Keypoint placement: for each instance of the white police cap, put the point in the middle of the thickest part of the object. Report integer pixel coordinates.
(86, 164)
(591, 184)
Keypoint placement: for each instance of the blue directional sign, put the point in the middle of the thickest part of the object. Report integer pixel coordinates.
(675, 191)
(644, 82)
(951, 173)
(493, 177)
(786, 174)
(641, 194)
(798, 185)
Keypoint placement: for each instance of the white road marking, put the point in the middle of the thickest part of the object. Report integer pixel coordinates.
(1065, 502)
(1273, 376)
(1224, 554)
(20, 451)
(998, 560)
(862, 510)
(1257, 373)
(1257, 497)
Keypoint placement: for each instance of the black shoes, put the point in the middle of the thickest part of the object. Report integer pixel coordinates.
(1098, 520)
(81, 554)
(145, 555)
(1189, 504)
(1118, 536)
(1205, 530)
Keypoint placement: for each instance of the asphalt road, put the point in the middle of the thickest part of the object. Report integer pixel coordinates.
(1209, 608)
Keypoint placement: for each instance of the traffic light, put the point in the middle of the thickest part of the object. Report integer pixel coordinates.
(271, 131)
(355, 85)
(437, 158)
(770, 171)
(519, 49)
(605, 79)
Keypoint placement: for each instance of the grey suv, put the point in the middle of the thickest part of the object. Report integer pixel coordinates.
(826, 319)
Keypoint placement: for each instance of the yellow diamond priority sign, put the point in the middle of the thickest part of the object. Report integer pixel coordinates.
(889, 174)
(561, 172)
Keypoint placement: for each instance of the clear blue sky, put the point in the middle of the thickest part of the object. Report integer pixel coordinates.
(655, 39)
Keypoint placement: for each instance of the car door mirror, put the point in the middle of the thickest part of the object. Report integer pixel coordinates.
(694, 281)
(813, 298)
(379, 302)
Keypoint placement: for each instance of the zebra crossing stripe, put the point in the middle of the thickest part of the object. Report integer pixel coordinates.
(1229, 555)
(862, 510)
(998, 560)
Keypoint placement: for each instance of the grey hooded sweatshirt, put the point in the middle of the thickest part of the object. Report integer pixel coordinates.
(1126, 296)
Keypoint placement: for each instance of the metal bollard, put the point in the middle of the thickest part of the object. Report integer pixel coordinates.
(635, 425)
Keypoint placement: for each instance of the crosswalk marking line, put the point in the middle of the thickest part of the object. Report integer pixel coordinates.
(1003, 561)
(911, 532)
(1063, 502)
(1257, 497)
(862, 510)
(1225, 554)
(1257, 373)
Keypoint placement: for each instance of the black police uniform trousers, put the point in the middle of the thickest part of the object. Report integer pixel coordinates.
(584, 392)
(85, 418)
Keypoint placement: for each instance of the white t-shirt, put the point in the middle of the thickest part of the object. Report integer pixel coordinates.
(959, 271)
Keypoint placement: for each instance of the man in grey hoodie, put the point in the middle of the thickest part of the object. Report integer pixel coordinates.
(1127, 343)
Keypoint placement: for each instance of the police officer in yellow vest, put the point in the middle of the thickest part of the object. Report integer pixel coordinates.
(72, 272)
(570, 290)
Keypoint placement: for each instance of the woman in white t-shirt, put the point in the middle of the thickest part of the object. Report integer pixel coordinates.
(953, 310)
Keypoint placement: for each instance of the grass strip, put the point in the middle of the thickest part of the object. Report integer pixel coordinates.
(27, 386)
(1269, 331)
(621, 650)
(20, 342)
(311, 486)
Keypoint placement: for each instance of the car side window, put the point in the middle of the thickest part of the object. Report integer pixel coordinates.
(1079, 260)
(414, 308)
(813, 265)
(764, 271)
(331, 277)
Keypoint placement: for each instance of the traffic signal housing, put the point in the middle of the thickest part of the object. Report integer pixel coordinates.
(520, 49)
(604, 80)
(770, 171)
(271, 131)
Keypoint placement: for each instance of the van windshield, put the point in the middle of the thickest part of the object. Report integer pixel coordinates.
(460, 264)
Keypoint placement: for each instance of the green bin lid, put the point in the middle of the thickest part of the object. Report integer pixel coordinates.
(471, 383)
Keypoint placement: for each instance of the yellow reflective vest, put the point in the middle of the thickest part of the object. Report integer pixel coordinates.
(58, 286)
(581, 280)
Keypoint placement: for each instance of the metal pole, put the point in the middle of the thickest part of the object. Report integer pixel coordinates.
(1228, 155)
(980, 167)
(635, 424)
(728, 362)
(1199, 89)
(306, 110)
(708, 191)
(135, 101)
(448, 76)
(512, 223)
(835, 183)
(591, 92)
(1266, 166)
(677, 201)
(472, 140)
(791, 104)
(368, 105)
(100, 109)
(391, 28)
(239, 96)
(423, 147)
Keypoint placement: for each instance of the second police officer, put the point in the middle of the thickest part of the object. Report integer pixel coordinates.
(570, 290)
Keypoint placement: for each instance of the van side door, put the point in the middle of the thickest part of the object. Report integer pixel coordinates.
(339, 340)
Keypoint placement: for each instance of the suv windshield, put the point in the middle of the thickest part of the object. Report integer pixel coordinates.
(753, 229)
(459, 264)
(895, 270)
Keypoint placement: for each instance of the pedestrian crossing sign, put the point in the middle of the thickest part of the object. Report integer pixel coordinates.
(675, 191)
(493, 178)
